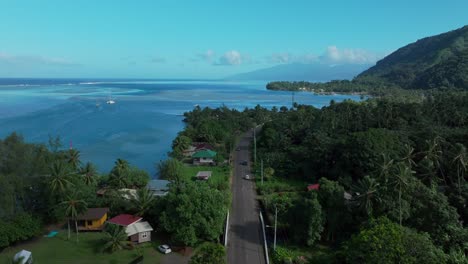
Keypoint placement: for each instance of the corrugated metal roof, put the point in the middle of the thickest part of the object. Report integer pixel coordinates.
(138, 228)
(204, 154)
(124, 219)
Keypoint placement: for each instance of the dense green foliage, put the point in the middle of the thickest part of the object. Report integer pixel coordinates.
(209, 253)
(434, 62)
(384, 157)
(194, 212)
(386, 242)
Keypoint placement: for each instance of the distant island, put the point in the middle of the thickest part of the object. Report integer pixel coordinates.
(316, 72)
(437, 62)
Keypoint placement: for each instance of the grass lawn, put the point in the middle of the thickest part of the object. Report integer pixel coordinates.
(219, 176)
(59, 250)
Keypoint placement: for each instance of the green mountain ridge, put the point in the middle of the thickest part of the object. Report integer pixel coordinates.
(439, 61)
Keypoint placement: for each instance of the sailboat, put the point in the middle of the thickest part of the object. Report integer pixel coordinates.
(110, 101)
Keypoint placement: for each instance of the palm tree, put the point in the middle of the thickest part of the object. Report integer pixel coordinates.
(59, 177)
(461, 160)
(408, 158)
(121, 164)
(433, 155)
(73, 158)
(88, 172)
(118, 178)
(116, 238)
(366, 194)
(143, 201)
(73, 207)
(385, 167)
(402, 176)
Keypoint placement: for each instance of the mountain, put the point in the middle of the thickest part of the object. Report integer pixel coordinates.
(433, 62)
(303, 72)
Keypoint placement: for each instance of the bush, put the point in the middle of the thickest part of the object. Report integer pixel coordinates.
(22, 227)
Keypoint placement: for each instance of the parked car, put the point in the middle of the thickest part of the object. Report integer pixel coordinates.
(244, 162)
(247, 177)
(238, 148)
(165, 249)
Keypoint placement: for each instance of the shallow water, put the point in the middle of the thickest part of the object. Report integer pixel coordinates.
(139, 127)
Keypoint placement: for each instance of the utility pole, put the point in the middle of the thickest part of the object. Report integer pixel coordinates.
(276, 219)
(255, 147)
(262, 171)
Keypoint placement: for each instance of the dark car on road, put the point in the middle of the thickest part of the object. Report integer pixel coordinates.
(244, 162)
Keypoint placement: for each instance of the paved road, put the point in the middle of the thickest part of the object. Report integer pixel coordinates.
(245, 239)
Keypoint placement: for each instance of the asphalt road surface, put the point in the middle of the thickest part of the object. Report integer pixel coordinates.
(245, 238)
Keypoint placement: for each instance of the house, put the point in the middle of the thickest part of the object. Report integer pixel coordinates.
(314, 187)
(159, 187)
(23, 257)
(203, 175)
(197, 146)
(204, 157)
(137, 230)
(93, 219)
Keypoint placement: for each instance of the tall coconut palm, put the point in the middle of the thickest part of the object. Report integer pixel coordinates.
(143, 201)
(73, 207)
(88, 172)
(366, 194)
(73, 159)
(59, 177)
(461, 161)
(401, 178)
(118, 178)
(433, 155)
(116, 238)
(408, 156)
(121, 164)
(385, 168)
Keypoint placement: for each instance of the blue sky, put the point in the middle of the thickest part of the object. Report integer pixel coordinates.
(207, 39)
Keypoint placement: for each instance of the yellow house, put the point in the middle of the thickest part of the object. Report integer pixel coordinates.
(92, 219)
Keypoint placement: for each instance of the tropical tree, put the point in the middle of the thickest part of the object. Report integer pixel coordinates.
(59, 177)
(209, 253)
(432, 157)
(171, 169)
(366, 194)
(401, 179)
(143, 201)
(73, 207)
(115, 238)
(461, 161)
(119, 177)
(121, 164)
(180, 144)
(73, 158)
(88, 172)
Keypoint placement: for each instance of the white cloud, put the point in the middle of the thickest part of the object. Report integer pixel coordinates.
(232, 57)
(335, 55)
(332, 55)
(34, 60)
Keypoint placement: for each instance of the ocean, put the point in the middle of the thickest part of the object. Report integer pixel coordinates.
(139, 127)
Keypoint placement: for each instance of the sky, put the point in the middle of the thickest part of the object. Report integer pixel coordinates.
(207, 39)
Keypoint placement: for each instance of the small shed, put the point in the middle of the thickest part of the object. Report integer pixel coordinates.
(23, 257)
(139, 232)
(203, 175)
(159, 187)
(136, 230)
(92, 219)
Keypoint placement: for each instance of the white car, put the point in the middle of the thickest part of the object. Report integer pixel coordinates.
(165, 249)
(247, 177)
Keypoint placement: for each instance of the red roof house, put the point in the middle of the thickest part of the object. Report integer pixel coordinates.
(124, 219)
(315, 187)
